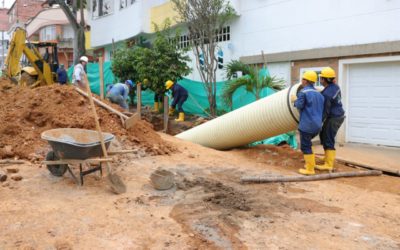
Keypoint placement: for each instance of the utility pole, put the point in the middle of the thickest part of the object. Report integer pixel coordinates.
(2, 44)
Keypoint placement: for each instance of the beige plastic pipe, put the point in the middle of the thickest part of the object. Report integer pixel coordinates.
(267, 117)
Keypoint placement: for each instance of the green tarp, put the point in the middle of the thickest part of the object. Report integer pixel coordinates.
(197, 102)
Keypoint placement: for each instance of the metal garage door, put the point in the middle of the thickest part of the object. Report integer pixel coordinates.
(373, 110)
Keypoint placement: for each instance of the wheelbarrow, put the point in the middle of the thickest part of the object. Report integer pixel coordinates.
(75, 146)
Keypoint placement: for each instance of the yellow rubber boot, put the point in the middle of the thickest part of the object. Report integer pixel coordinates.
(181, 117)
(309, 166)
(156, 107)
(330, 156)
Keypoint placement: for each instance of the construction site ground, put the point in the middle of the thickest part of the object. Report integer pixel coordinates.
(208, 208)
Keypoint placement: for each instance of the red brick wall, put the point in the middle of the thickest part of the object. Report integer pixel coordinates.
(26, 9)
(3, 20)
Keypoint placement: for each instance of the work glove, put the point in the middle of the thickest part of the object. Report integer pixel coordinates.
(293, 98)
(171, 111)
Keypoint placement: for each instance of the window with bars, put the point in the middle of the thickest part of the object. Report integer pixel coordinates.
(102, 8)
(221, 35)
(126, 3)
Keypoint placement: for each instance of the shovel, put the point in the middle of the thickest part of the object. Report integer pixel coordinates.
(115, 182)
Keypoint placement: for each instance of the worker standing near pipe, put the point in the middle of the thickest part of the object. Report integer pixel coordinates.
(180, 95)
(118, 93)
(333, 117)
(310, 104)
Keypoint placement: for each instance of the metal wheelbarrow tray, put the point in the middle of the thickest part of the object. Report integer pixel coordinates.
(74, 146)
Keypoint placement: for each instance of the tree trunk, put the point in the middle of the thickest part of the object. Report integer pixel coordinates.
(79, 34)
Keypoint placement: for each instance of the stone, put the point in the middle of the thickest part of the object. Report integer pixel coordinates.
(12, 170)
(16, 177)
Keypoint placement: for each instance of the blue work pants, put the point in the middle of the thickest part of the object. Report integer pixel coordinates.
(329, 130)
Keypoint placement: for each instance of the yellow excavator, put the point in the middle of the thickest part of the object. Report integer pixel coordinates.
(38, 70)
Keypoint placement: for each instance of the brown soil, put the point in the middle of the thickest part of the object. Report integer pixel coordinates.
(25, 113)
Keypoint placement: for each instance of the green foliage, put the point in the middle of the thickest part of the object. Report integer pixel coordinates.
(162, 62)
(253, 80)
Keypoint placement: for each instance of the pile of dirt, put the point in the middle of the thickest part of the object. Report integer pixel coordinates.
(25, 113)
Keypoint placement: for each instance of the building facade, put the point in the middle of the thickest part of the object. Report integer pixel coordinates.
(21, 11)
(4, 37)
(360, 39)
(51, 24)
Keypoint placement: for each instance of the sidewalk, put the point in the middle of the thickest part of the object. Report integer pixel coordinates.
(384, 157)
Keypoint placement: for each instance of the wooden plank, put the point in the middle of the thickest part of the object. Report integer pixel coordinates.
(103, 105)
(101, 71)
(139, 100)
(76, 161)
(317, 177)
(125, 151)
(166, 113)
(11, 161)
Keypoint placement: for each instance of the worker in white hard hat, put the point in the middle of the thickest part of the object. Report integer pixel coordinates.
(79, 73)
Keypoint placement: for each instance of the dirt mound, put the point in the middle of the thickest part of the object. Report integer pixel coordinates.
(25, 113)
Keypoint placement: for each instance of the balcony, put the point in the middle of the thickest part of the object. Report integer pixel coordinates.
(65, 43)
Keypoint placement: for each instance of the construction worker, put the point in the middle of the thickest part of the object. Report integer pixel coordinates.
(180, 95)
(62, 75)
(310, 104)
(119, 92)
(78, 77)
(333, 117)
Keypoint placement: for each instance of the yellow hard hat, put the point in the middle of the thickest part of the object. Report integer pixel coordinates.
(310, 75)
(146, 81)
(328, 72)
(168, 84)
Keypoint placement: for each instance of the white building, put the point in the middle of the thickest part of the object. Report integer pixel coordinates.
(360, 39)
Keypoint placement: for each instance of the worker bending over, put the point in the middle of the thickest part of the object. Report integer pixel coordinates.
(180, 95)
(119, 92)
(333, 117)
(310, 104)
(78, 77)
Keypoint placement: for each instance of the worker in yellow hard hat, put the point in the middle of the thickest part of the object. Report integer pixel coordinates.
(333, 117)
(310, 104)
(179, 95)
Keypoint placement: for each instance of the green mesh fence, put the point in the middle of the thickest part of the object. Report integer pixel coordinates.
(197, 102)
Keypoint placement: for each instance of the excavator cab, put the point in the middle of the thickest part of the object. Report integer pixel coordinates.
(35, 69)
(49, 54)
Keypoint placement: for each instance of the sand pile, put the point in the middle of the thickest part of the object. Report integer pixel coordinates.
(25, 113)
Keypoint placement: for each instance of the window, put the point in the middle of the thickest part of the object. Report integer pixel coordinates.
(102, 8)
(68, 32)
(223, 34)
(126, 3)
(317, 70)
(48, 33)
(183, 42)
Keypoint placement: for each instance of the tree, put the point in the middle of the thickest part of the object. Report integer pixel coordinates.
(204, 19)
(70, 10)
(254, 80)
(161, 62)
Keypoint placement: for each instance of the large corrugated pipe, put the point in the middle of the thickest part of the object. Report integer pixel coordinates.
(267, 117)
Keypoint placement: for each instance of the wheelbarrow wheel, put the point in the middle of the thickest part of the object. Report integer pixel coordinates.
(56, 170)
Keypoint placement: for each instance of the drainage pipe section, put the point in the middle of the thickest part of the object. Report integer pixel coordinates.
(267, 117)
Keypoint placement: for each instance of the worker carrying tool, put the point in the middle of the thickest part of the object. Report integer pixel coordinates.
(119, 92)
(310, 104)
(333, 117)
(180, 95)
(79, 72)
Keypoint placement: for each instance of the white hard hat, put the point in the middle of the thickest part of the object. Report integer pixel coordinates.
(84, 58)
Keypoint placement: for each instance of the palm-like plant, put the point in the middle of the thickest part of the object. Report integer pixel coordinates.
(254, 80)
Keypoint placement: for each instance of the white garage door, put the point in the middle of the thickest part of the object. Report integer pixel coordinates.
(374, 103)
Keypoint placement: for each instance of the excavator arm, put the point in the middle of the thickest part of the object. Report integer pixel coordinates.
(18, 47)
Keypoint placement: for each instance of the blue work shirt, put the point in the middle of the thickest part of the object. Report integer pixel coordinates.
(310, 104)
(119, 89)
(62, 75)
(333, 101)
(177, 92)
